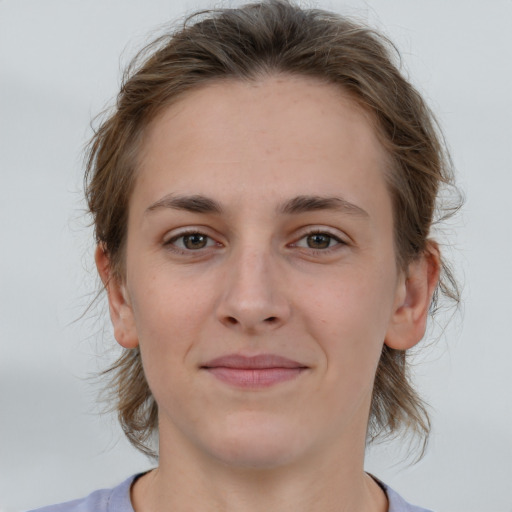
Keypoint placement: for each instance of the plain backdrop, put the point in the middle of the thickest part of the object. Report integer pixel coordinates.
(60, 63)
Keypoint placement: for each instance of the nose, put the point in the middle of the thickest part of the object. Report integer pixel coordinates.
(253, 297)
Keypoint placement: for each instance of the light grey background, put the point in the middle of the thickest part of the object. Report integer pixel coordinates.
(59, 66)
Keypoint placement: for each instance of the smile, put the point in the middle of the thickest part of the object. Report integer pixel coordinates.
(255, 372)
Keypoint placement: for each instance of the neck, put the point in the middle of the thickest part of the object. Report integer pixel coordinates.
(333, 481)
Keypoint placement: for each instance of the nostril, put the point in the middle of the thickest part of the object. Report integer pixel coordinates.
(232, 320)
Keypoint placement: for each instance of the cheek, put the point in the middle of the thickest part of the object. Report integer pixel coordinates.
(169, 315)
(349, 321)
(166, 301)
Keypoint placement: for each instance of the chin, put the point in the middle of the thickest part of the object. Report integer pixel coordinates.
(256, 443)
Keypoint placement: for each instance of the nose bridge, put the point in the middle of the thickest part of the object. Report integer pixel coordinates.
(253, 297)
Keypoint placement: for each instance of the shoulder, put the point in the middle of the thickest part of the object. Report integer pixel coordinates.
(397, 503)
(116, 499)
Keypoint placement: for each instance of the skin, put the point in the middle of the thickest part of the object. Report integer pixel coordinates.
(318, 286)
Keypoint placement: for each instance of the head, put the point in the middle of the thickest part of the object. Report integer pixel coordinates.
(255, 45)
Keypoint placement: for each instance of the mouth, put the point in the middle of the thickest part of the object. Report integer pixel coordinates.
(254, 372)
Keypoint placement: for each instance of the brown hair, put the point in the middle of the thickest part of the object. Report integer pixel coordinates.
(244, 44)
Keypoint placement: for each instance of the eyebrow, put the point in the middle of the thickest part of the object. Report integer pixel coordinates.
(303, 204)
(300, 204)
(194, 203)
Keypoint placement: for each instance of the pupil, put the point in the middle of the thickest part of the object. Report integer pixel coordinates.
(195, 241)
(319, 241)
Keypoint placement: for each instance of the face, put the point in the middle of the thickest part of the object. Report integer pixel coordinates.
(261, 279)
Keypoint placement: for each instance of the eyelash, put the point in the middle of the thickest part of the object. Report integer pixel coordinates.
(315, 251)
(171, 243)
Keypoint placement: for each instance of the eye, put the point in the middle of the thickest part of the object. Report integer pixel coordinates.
(192, 241)
(318, 240)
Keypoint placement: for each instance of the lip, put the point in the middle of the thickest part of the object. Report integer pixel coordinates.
(253, 372)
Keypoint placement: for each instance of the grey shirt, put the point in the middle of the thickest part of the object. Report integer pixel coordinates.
(118, 500)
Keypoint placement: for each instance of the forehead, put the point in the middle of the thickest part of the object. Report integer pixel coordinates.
(283, 132)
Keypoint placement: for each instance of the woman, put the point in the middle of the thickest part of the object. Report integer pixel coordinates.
(262, 198)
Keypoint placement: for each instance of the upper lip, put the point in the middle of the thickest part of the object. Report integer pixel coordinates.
(252, 362)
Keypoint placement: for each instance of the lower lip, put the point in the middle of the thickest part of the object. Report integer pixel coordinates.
(254, 378)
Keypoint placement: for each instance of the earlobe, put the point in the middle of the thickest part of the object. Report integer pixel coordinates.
(121, 313)
(414, 295)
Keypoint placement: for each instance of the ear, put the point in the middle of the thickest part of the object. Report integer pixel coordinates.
(121, 313)
(414, 295)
